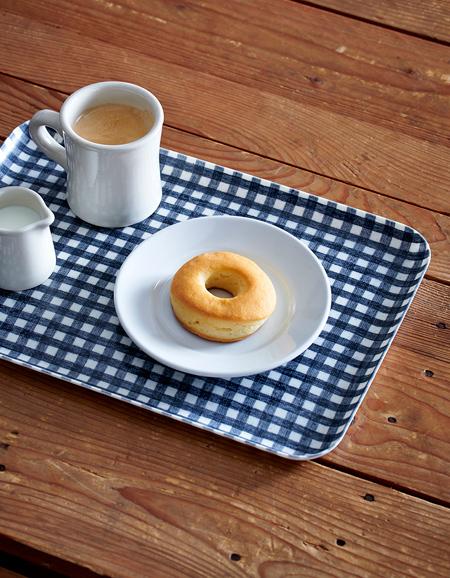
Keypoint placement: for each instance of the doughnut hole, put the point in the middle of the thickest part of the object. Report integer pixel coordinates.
(230, 281)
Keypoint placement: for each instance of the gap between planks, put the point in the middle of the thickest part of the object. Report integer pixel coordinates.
(382, 482)
(23, 561)
(436, 279)
(338, 12)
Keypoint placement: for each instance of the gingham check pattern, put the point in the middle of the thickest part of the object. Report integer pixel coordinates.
(68, 326)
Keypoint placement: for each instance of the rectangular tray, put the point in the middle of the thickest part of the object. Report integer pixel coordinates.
(68, 328)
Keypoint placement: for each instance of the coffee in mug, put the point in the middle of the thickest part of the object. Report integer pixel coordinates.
(113, 124)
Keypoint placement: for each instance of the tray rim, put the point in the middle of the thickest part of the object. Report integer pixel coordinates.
(234, 437)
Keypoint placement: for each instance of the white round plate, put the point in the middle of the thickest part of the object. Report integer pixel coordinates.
(142, 296)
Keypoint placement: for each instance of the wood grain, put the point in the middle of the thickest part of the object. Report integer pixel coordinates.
(165, 499)
(430, 19)
(19, 100)
(259, 120)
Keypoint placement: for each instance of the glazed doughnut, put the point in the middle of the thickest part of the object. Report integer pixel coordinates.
(222, 319)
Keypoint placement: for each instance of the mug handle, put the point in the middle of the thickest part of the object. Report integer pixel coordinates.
(39, 133)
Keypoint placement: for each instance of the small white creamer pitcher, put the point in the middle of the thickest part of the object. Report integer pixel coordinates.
(27, 254)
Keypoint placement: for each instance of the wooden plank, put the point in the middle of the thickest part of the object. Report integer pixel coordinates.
(19, 100)
(345, 148)
(429, 19)
(133, 494)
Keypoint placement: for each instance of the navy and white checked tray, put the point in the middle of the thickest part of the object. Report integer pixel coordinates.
(68, 327)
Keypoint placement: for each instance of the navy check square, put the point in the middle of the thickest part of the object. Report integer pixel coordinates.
(68, 327)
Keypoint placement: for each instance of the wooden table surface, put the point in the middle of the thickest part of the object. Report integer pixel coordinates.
(346, 99)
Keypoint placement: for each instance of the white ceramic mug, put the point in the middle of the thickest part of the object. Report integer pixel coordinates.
(107, 185)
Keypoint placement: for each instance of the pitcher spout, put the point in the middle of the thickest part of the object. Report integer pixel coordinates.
(22, 210)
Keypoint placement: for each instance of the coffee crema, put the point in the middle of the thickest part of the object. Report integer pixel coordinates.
(113, 124)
